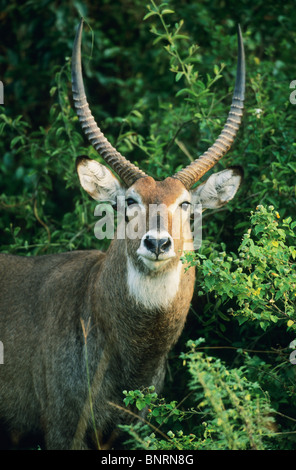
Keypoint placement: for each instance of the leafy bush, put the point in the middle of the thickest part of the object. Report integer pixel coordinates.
(262, 278)
(230, 411)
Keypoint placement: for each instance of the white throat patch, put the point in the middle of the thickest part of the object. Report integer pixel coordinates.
(153, 292)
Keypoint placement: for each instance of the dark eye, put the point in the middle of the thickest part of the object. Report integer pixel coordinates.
(185, 205)
(130, 201)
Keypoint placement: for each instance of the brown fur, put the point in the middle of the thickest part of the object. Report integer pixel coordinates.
(43, 304)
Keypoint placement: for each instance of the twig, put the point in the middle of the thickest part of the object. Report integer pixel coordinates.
(41, 221)
(141, 419)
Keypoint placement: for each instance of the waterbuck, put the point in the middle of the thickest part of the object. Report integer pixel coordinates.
(78, 328)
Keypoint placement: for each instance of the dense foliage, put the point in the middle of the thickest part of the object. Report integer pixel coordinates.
(161, 88)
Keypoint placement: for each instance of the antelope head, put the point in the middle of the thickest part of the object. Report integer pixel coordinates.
(157, 248)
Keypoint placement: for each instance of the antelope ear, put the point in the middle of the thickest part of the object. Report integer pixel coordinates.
(218, 189)
(97, 180)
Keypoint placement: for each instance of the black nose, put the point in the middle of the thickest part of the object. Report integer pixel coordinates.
(157, 245)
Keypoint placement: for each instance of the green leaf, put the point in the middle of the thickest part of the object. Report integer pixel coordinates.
(181, 36)
(159, 38)
(167, 12)
(188, 91)
(140, 404)
(53, 90)
(15, 140)
(179, 76)
(151, 13)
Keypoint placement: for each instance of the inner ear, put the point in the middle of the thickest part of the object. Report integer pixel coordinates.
(218, 189)
(98, 181)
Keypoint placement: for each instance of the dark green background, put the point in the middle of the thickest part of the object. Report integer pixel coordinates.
(42, 208)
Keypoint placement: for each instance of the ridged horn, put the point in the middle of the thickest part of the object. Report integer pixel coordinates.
(193, 172)
(128, 172)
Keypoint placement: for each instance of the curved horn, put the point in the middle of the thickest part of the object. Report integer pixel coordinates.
(128, 172)
(193, 172)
